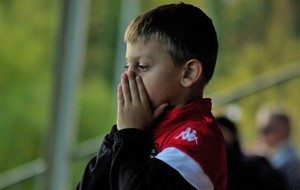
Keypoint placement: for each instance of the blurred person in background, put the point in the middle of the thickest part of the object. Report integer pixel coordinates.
(246, 172)
(274, 132)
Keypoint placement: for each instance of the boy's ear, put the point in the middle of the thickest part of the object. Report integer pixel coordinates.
(192, 72)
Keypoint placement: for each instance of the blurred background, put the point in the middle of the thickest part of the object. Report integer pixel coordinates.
(60, 62)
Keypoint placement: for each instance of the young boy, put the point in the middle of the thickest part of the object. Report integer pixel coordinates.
(166, 136)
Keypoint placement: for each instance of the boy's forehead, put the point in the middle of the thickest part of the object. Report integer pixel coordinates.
(144, 47)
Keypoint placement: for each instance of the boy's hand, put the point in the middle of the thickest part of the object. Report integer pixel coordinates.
(134, 109)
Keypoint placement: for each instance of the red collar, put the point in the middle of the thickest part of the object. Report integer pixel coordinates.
(192, 111)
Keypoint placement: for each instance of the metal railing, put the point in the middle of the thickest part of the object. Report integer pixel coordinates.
(38, 167)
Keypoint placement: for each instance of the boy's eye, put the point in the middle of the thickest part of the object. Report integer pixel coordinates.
(143, 67)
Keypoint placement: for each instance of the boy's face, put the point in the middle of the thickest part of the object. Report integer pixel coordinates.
(160, 76)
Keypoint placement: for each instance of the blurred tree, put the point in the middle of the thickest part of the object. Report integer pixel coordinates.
(27, 36)
(102, 39)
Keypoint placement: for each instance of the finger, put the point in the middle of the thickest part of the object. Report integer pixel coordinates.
(158, 111)
(125, 88)
(120, 96)
(142, 90)
(120, 103)
(134, 92)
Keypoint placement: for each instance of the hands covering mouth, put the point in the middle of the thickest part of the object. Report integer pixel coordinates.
(134, 107)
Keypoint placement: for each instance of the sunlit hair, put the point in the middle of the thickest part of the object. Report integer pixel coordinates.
(185, 30)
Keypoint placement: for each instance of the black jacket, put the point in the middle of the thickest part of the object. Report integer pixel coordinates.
(124, 163)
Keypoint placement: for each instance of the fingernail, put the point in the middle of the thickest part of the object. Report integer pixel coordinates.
(131, 74)
(123, 76)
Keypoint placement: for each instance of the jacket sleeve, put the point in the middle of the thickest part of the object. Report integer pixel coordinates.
(96, 173)
(133, 168)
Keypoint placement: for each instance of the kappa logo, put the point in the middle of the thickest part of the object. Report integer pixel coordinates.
(189, 135)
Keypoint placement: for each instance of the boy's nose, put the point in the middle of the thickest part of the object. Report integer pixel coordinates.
(130, 69)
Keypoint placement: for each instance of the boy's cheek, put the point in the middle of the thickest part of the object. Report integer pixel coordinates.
(153, 95)
(154, 101)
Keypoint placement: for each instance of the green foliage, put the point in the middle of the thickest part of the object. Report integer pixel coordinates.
(103, 28)
(25, 53)
(97, 113)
